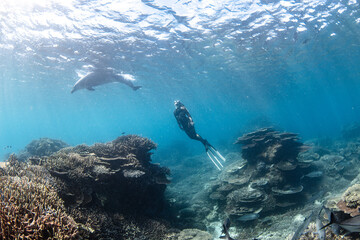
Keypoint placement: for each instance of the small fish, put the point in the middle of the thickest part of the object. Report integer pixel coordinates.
(351, 224)
(226, 226)
(315, 174)
(249, 217)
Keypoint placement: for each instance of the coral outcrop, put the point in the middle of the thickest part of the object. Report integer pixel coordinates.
(115, 175)
(30, 207)
(41, 147)
(269, 177)
(108, 191)
(350, 201)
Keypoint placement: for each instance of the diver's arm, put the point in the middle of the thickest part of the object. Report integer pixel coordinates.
(176, 114)
(186, 112)
(188, 115)
(179, 123)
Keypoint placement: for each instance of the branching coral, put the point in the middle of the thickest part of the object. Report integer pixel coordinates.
(30, 208)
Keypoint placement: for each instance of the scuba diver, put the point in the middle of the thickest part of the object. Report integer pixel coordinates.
(186, 124)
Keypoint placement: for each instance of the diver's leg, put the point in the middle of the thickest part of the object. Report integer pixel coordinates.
(190, 131)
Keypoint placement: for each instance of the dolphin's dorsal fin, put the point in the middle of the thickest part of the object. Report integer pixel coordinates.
(90, 88)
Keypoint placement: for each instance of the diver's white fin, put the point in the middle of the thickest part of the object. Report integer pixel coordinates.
(213, 161)
(217, 153)
(220, 156)
(214, 156)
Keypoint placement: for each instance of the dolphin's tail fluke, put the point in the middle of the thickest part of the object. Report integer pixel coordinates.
(136, 87)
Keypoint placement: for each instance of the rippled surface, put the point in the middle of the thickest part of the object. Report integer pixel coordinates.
(285, 60)
(60, 32)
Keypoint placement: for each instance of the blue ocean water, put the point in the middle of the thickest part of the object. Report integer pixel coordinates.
(234, 64)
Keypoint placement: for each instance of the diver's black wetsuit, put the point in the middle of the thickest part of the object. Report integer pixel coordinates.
(186, 123)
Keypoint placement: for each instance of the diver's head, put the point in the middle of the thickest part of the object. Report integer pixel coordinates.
(178, 104)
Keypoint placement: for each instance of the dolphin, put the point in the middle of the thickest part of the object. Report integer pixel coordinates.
(102, 76)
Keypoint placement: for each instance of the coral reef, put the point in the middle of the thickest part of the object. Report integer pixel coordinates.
(269, 178)
(115, 175)
(29, 206)
(41, 147)
(270, 146)
(321, 172)
(350, 201)
(104, 191)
